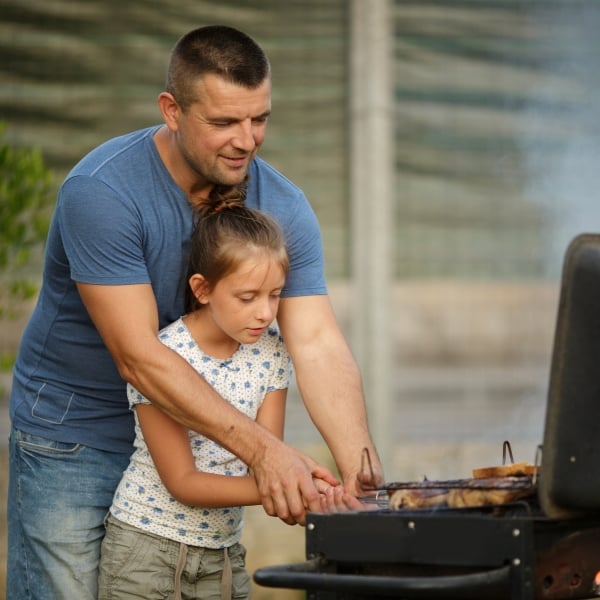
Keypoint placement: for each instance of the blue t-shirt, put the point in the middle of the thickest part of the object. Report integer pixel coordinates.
(121, 219)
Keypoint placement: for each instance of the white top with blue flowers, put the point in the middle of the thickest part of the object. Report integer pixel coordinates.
(141, 500)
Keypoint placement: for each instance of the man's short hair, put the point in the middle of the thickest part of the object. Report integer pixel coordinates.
(217, 49)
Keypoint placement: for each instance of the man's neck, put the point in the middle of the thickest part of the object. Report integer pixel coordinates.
(196, 191)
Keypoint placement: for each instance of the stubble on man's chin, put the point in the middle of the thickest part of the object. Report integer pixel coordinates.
(231, 178)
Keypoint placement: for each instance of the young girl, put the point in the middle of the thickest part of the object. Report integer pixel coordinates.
(175, 522)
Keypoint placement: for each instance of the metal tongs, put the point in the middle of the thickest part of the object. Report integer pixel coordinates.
(372, 495)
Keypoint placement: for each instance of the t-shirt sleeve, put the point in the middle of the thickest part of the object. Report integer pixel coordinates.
(270, 191)
(306, 275)
(135, 397)
(282, 371)
(102, 234)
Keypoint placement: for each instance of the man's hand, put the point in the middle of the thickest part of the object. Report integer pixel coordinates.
(286, 482)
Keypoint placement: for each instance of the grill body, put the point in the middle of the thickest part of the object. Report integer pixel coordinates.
(449, 554)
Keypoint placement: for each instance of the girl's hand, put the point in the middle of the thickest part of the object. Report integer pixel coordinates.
(337, 500)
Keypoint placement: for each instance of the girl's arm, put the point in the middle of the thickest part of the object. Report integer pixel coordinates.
(271, 414)
(169, 446)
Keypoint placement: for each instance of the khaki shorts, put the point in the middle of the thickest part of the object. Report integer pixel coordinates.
(137, 564)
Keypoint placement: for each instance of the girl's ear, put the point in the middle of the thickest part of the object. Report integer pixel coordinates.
(199, 287)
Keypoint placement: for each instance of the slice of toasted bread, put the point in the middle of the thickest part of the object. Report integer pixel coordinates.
(520, 469)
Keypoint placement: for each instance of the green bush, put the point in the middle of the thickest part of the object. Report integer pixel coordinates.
(26, 201)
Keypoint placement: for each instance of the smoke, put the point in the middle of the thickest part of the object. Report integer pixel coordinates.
(562, 164)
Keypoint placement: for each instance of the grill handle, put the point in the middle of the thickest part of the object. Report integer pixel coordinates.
(311, 575)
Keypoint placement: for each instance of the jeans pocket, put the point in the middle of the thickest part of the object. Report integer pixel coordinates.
(40, 445)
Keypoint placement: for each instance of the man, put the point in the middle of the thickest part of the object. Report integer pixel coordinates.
(114, 274)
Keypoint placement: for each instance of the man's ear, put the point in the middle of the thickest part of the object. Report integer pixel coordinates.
(170, 110)
(199, 287)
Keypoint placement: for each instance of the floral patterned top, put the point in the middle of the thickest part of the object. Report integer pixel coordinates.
(141, 500)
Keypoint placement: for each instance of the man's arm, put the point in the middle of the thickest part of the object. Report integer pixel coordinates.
(169, 446)
(329, 383)
(126, 317)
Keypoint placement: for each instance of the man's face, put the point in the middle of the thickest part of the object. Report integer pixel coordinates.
(220, 133)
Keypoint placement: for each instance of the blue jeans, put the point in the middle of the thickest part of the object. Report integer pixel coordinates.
(58, 497)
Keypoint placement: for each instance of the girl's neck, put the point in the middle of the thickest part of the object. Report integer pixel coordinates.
(209, 338)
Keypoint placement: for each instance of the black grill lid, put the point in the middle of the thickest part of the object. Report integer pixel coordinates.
(570, 474)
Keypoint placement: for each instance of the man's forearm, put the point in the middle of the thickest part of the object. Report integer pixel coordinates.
(336, 406)
(177, 388)
(328, 380)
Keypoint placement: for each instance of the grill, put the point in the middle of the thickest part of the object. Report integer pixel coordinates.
(545, 545)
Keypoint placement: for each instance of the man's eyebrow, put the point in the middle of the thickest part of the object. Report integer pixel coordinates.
(229, 119)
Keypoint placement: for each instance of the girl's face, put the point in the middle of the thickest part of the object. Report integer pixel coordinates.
(245, 302)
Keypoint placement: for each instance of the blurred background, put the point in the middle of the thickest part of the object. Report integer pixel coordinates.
(491, 115)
